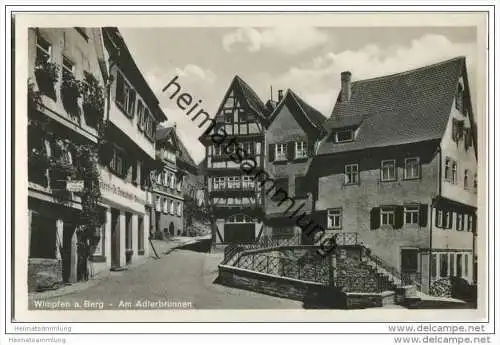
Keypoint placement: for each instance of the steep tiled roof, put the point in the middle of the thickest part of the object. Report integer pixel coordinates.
(312, 115)
(401, 108)
(164, 132)
(251, 97)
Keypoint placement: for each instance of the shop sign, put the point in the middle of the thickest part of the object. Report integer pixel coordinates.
(74, 186)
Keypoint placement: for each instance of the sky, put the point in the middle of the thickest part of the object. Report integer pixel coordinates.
(306, 59)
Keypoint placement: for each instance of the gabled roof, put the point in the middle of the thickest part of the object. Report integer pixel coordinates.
(313, 116)
(250, 97)
(397, 109)
(183, 154)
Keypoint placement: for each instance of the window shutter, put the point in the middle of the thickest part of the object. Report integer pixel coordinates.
(119, 89)
(450, 219)
(271, 152)
(291, 150)
(423, 215)
(398, 217)
(375, 218)
(474, 223)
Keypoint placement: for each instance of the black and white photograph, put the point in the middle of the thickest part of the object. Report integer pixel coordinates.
(276, 162)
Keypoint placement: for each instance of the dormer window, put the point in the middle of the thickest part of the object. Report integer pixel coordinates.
(344, 136)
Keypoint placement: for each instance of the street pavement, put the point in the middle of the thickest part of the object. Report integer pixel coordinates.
(183, 279)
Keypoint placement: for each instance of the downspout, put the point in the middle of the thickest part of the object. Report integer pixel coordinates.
(440, 157)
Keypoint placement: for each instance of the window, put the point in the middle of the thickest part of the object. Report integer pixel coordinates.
(217, 150)
(117, 163)
(68, 66)
(43, 50)
(334, 219)
(447, 169)
(466, 265)
(387, 216)
(239, 218)
(475, 183)
(172, 181)
(172, 207)
(454, 173)
(140, 115)
(300, 149)
(351, 174)
(443, 219)
(281, 152)
(233, 182)
(388, 170)
(412, 168)
(149, 125)
(443, 269)
(466, 179)
(179, 209)
(433, 265)
(248, 148)
(411, 214)
(452, 264)
(247, 182)
(166, 205)
(344, 136)
(470, 220)
(460, 222)
(125, 96)
(228, 116)
(219, 183)
(459, 265)
(167, 179)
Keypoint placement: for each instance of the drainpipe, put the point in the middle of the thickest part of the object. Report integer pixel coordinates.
(440, 157)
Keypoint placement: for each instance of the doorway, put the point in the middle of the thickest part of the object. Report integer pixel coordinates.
(115, 238)
(409, 265)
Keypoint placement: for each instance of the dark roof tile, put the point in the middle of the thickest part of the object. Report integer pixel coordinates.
(397, 109)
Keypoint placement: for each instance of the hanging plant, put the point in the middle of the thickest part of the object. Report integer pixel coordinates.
(93, 100)
(70, 87)
(62, 167)
(46, 70)
(34, 96)
(38, 159)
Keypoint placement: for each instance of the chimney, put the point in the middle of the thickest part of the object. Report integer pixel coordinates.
(345, 93)
(280, 95)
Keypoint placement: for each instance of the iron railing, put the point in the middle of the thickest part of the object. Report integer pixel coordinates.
(314, 270)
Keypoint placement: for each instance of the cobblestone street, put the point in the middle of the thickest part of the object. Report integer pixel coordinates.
(181, 277)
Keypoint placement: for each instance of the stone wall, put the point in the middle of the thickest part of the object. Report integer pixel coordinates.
(310, 293)
(44, 274)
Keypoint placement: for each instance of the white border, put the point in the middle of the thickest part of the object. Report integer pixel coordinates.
(240, 327)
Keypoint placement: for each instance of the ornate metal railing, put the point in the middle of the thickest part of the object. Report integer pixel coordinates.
(315, 270)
